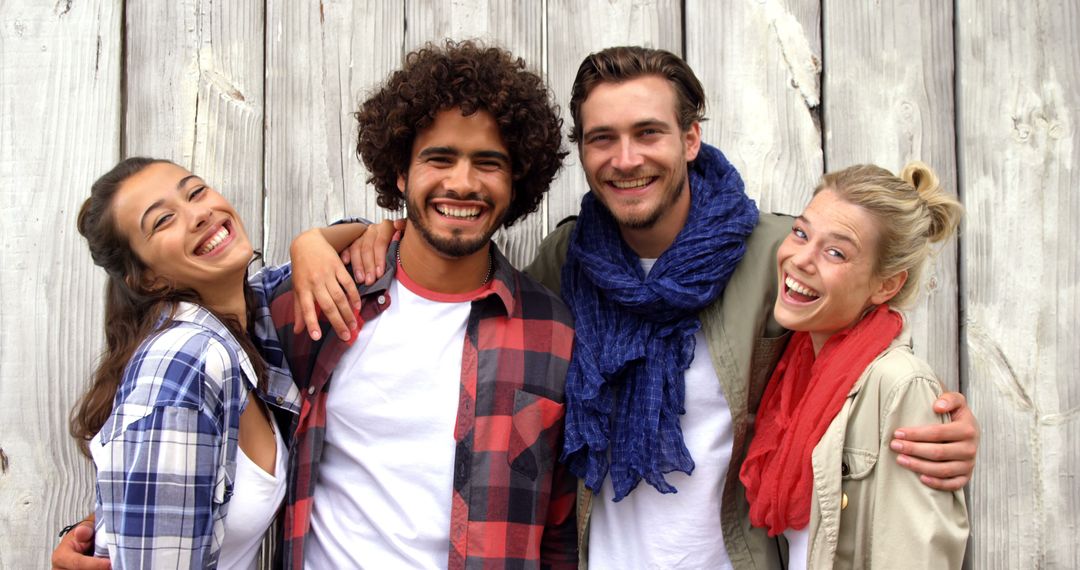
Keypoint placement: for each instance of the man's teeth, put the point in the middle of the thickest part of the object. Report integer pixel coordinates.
(214, 241)
(464, 213)
(627, 184)
(799, 288)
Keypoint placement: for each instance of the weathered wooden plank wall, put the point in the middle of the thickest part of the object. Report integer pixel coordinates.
(257, 97)
(1018, 104)
(59, 128)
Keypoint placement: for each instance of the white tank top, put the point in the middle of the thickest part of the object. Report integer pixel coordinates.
(257, 496)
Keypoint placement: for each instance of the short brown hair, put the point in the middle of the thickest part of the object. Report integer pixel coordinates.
(471, 77)
(617, 64)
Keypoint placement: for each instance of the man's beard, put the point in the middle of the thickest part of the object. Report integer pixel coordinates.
(649, 219)
(455, 245)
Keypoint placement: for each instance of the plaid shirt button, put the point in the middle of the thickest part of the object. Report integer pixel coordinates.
(381, 299)
(310, 390)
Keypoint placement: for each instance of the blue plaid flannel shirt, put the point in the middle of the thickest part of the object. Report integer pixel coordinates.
(166, 456)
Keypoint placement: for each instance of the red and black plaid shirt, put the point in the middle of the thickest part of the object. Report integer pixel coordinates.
(513, 503)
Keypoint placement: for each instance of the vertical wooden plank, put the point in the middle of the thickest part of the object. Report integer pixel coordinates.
(322, 57)
(759, 61)
(514, 25)
(59, 130)
(194, 93)
(576, 29)
(889, 100)
(1018, 104)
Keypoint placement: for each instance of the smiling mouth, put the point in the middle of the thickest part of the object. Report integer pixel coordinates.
(470, 213)
(215, 241)
(632, 184)
(798, 291)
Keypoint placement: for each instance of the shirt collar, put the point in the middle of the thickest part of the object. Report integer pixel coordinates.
(503, 277)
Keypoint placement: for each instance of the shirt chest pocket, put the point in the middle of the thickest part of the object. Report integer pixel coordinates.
(856, 464)
(535, 430)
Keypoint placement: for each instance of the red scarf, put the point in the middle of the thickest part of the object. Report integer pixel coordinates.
(777, 471)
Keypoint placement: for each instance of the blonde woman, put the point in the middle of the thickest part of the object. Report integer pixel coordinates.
(819, 469)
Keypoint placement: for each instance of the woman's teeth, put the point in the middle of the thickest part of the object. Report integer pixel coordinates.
(214, 241)
(800, 288)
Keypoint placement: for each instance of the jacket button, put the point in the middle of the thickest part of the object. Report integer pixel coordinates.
(310, 390)
(381, 300)
(844, 469)
(843, 501)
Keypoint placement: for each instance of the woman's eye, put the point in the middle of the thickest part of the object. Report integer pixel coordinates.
(798, 232)
(833, 252)
(196, 192)
(162, 220)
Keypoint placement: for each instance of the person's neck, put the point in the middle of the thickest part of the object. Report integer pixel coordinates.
(440, 273)
(229, 302)
(653, 241)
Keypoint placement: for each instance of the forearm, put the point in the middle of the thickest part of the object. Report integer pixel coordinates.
(340, 236)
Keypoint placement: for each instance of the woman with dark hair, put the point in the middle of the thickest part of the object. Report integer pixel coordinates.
(819, 470)
(180, 419)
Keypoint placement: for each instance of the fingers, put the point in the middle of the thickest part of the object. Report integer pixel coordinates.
(960, 429)
(362, 253)
(944, 476)
(950, 402)
(335, 307)
(305, 316)
(958, 451)
(74, 549)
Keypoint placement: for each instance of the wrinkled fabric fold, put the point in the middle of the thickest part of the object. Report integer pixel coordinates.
(803, 397)
(635, 333)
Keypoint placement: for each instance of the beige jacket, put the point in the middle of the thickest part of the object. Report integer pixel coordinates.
(745, 343)
(867, 511)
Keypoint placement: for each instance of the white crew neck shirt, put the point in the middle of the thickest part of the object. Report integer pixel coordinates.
(385, 485)
(649, 529)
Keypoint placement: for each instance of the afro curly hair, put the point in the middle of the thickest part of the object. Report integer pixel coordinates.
(472, 77)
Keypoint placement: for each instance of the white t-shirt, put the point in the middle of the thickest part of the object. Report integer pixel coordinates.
(257, 495)
(648, 529)
(385, 483)
(798, 547)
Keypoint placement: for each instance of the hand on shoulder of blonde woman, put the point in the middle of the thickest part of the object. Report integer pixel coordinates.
(942, 454)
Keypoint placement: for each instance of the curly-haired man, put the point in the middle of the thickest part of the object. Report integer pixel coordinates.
(433, 443)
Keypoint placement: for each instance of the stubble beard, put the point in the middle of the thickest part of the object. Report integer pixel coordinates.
(649, 219)
(456, 245)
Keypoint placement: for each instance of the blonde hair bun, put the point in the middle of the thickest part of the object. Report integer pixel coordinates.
(945, 211)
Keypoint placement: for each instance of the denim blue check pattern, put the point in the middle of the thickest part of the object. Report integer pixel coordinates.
(166, 457)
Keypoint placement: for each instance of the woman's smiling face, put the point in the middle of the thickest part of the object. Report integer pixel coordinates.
(181, 229)
(826, 269)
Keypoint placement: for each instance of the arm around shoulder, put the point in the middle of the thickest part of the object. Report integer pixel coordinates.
(914, 526)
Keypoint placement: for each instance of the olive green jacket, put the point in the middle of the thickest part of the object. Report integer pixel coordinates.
(745, 343)
(889, 519)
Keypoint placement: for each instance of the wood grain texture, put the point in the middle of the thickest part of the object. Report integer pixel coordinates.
(322, 58)
(59, 130)
(1018, 104)
(576, 29)
(194, 94)
(761, 77)
(888, 100)
(514, 25)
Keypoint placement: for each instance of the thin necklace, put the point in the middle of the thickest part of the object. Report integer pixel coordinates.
(487, 276)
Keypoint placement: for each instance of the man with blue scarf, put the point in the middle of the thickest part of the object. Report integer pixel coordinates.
(670, 273)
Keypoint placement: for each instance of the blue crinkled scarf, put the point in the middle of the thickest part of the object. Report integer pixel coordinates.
(635, 334)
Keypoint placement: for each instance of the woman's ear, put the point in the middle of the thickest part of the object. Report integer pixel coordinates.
(888, 288)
